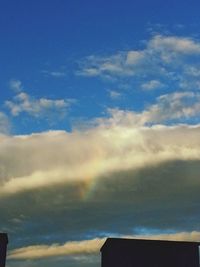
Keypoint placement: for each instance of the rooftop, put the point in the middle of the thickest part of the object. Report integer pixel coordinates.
(148, 242)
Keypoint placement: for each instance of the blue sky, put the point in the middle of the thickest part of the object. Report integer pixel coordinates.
(99, 108)
(44, 46)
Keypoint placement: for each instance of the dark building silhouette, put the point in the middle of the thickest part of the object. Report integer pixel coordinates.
(3, 248)
(117, 252)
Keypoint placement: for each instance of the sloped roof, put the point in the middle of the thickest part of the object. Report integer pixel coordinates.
(130, 242)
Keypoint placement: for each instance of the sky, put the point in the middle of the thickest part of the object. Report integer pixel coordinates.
(99, 126)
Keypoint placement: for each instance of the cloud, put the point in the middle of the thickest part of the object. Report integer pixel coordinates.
(4, 123)
(88, 246)
(114, 94)
(174, 44)
(55, 214)
(177, 106)
(151, 85)
(58, 157)
(193, 71)
(66, 185)
(134, 57)
(193, 236)
(42, 107)
(167, 58)
(107, 67)
(61, 157)
(56, 74)
(69, 248)
(16, 85)
(122, 160)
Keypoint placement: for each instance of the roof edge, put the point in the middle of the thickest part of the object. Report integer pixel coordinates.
(111, 239)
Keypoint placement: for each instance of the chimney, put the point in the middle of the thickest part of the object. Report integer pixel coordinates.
(3, 248)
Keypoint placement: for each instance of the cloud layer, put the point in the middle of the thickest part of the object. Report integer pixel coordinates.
(57, 157)
(4, 123)
(89, 246)
(87, 172)
(165, 61)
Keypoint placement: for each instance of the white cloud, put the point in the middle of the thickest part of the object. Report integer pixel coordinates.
(89, 72)
(173, 106)
(92, 246)
(56, 74)
(82, 172)
(170, 58)
(61, 157)
(134, 57)
(114, 94)
(151, 85)
(51, 158)
(42, 107)
(16, 85)
(4, 123)
(174, 44)
(169, 107)
(107, 67)
(193, 71)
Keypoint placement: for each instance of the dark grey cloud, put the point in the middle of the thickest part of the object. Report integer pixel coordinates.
(53, 189)
(164, 197)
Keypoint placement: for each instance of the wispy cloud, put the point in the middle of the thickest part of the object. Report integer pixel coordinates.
(56, 74)
(152, 84)
(114, 94)
(178, 46)
(36, 107)
(4, 123)
(174, 107)
(85, 247)
(69, 248)
(16, 85)
(168, 58)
